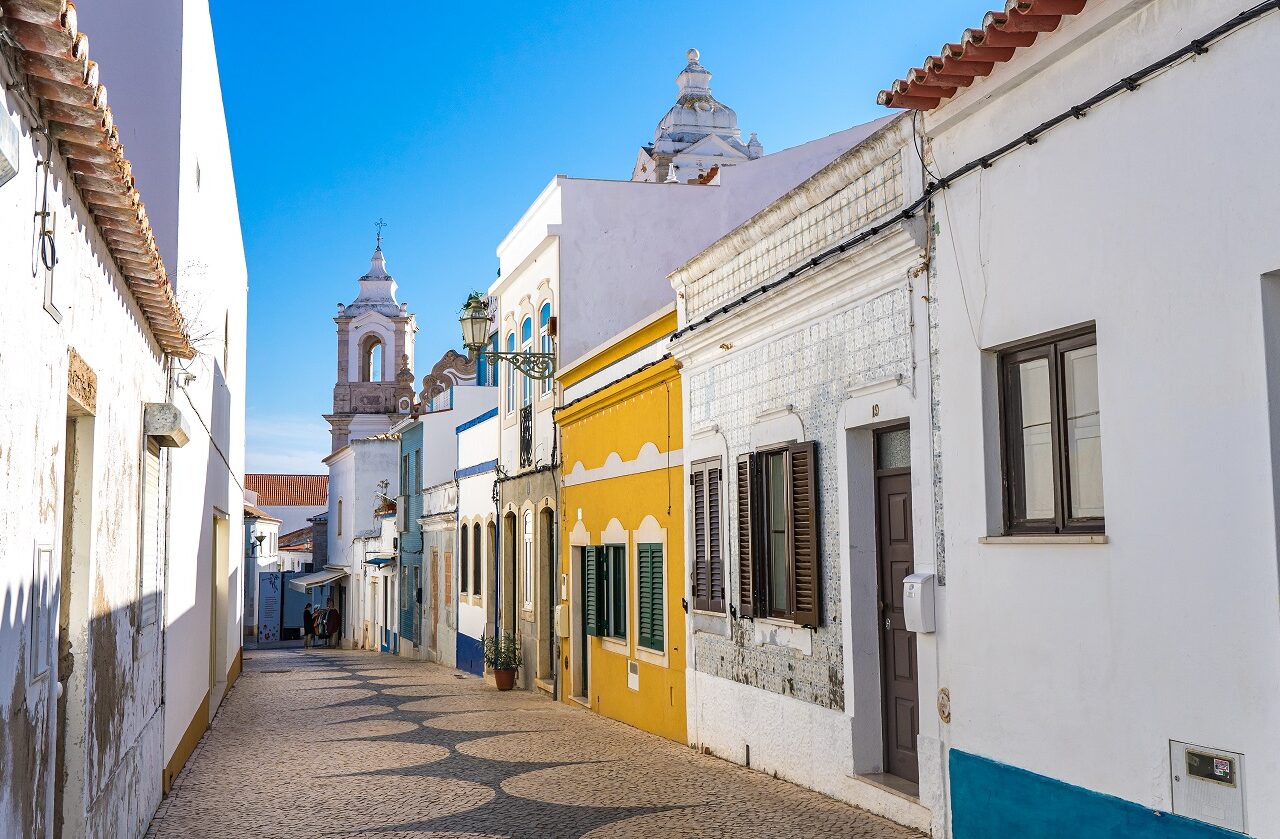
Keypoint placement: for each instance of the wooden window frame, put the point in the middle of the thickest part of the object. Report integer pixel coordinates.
(1052, 348)
(754, 547)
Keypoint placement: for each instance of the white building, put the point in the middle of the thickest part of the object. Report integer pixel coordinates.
(430, 570)
(261, 553)
(125, 406)
(360, 487)
(581, 244)
(806, 422)
(1106, 309)
(477, 441)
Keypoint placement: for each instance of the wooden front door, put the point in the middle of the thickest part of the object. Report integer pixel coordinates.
(901, 703)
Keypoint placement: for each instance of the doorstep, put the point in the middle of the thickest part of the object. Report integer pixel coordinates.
(894, 798)
(549, 688)
(581, 700)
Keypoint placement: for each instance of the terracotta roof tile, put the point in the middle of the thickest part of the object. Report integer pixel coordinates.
(296, 540)
(252, 512)
(61, 83)
(289, 490)
(979, 51)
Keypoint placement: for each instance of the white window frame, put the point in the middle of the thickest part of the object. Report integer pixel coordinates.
(544, 340)
(528, 560)
(510, 373)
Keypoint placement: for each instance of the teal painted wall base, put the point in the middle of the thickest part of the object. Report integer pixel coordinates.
(991, 800)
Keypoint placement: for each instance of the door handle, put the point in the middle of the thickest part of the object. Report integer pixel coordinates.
(888, 621)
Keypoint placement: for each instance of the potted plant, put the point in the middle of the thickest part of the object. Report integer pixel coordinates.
(502, 656)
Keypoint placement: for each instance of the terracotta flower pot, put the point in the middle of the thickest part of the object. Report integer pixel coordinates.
(505, 678)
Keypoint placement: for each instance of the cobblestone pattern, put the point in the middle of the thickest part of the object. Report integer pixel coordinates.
(812, 370)
(345, 743)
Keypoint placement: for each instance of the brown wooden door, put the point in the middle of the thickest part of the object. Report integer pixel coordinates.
(897, 645)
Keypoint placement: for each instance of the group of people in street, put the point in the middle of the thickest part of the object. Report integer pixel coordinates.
(321, 626)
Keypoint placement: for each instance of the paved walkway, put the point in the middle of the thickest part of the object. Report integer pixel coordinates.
(339, 743)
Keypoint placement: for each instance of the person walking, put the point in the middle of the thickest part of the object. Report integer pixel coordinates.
(333, 623)
(308, 627)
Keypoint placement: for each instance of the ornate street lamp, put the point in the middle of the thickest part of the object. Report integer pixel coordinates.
(475, 337)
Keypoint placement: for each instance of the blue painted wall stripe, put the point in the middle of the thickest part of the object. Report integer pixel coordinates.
(487, 466)
(487, 415)
(470, 654)
(992, 800)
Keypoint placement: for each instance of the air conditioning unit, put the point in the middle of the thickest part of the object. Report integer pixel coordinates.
(1208, 785)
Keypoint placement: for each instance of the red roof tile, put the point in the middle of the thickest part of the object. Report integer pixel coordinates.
(62, 82)
(978, 52)
(289, 490)
(296, 540)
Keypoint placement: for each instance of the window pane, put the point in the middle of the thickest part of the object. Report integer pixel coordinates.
(526, 331)
(1037, 438)
(893, 449)
(779, 584)
(1084, 432)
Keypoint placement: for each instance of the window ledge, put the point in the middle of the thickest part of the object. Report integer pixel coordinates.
(648, 656)
(1046, 539)
(615, 645)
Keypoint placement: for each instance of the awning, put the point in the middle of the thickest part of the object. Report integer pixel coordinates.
(306, 582)
(379, 561)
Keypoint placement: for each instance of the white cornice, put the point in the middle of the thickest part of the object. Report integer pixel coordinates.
(829, 180)
(858, 275)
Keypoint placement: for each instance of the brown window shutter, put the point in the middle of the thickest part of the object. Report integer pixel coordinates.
(701, 583)
(804, 532)
(746, 535)
(715, 558)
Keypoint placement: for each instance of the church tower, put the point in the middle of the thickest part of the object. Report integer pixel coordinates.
(375, 358)
(696, 137)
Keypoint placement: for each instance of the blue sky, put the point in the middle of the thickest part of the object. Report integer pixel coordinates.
(447, 120)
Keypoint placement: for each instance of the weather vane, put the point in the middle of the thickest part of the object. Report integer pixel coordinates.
(379, 224)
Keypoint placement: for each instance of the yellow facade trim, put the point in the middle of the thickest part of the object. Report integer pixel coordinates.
(665, 370)
(639, 337)
(187, 744)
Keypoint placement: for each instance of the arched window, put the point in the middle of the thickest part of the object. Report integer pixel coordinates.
(544, 332)
(476, 560)
(528, 559)
(371, 359)
(526, 344)
(464, 565)
(511, 374)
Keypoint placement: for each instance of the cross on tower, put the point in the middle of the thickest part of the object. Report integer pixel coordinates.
(379, 224)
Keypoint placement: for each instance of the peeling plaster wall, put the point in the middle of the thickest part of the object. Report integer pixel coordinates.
(117, 764)
(166, 94)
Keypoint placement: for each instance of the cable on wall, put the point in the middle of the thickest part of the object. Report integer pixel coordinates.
(1128, 84)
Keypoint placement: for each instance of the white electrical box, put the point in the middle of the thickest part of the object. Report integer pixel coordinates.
(917, 602)
(562, 620)
(1208, 785)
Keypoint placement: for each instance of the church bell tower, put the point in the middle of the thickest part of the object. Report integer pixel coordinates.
(375, 358)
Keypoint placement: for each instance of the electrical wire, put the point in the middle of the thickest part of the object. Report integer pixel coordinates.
(1128, 84)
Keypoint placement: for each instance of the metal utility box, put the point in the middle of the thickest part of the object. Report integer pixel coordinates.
(917, 602)
(1208, 785)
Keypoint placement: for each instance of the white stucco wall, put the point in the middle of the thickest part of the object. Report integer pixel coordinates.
(355, 474)
(1155, 218)
(477, 446)
(293, 517)
(826, 358)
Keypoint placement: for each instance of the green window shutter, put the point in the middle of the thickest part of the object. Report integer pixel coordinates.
(591, 589)
(617, 590)
(649, 568)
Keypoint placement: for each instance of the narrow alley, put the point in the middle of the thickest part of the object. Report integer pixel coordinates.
(344, 743)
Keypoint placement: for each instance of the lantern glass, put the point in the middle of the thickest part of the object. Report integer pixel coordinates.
(475, 324)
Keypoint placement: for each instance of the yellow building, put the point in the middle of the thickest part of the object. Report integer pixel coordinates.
(620, 614)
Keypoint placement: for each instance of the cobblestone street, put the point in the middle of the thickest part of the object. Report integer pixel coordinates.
(338, 743)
